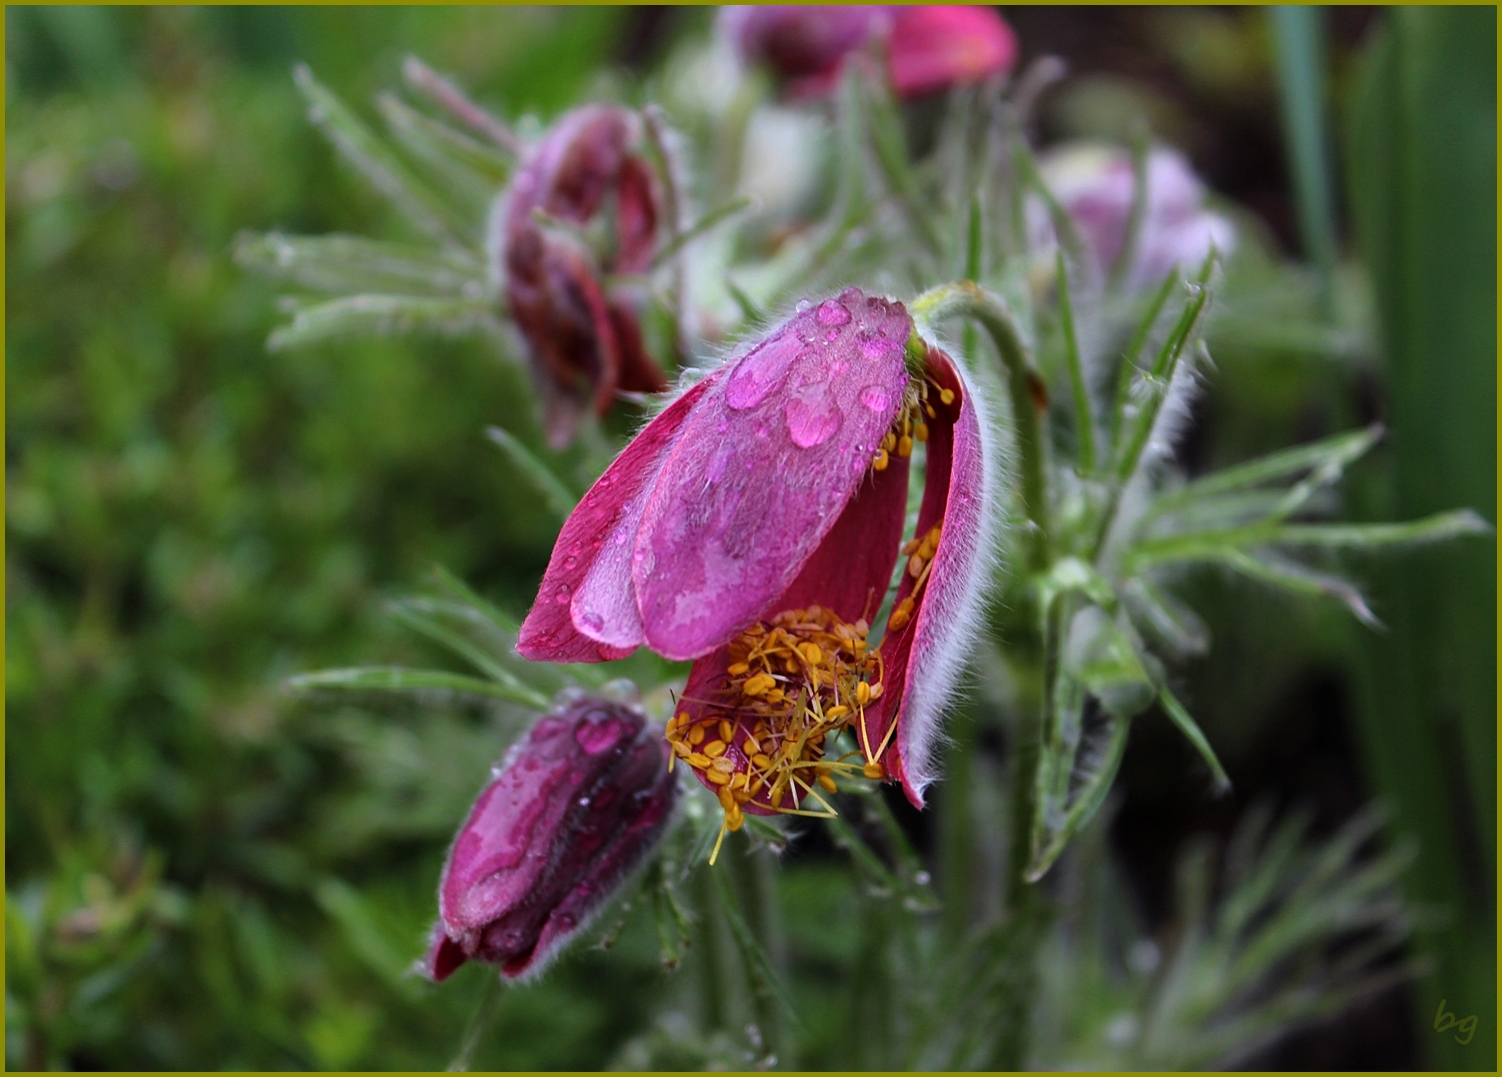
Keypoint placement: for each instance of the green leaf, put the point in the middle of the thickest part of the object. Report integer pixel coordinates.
(1328, 457)
(1126, 375)
(345, 265)
(673, 922)
(377, 163)
(764, 979)
(1437, 528)
(730, 209)
(364, 936)
(398, 679)
(419, 615)
(1032, 178)
(1191, 730)
(379, 315)
(1084, 421)
(1088, 800)
(452, 100)
(889, 140)
(1173, 623)
(470, 173)
(1299, 52)
(1132, 240)
(1107, 661)
(1207, 545)
(1155, 384)
(503, 623)
(559, 499)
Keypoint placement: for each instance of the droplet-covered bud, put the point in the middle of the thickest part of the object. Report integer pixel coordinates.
(579, 803)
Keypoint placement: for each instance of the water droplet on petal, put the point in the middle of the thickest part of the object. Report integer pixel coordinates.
(804, 304)
(761, 372)
(570, 562)
(874, 348)
(832, 312)
(591, 621)
(812, 417)
(876, 397)
(597, 737)
(561, 596)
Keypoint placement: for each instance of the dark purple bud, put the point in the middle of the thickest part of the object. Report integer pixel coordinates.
(556, 256)
(578, 804)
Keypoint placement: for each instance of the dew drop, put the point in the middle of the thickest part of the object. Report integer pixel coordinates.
(852, 296)
(561, 596)
(591, 621)
(804, 304)
(570, 562)
(876, 397)
(597, 737)
(832, 312)
(812, 417)
(761, 372)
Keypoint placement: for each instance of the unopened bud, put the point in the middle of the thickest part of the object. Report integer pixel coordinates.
(579, 803)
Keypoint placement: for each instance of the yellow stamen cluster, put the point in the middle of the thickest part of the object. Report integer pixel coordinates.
(911, 424)
(920, 560)
(792, 683)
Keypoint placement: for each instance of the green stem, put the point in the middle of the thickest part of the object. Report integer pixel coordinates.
(490, 1003)
(1024, 386)
(1084, 421)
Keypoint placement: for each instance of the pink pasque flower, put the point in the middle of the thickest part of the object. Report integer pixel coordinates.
(1094, 184)
(578, 804)
(928, 48)
(754, 527)
(583, 335)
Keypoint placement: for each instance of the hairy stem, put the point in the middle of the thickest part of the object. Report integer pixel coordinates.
(1024, 386)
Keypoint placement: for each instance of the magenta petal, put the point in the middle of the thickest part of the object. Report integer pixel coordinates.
(762, 470)
(953, 601)
(550, 634)
(935, 48)
(852, 567)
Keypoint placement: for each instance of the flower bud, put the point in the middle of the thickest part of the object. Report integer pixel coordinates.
(579, 803)
(584, 208)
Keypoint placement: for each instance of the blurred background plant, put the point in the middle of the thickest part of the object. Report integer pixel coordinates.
(203, 871)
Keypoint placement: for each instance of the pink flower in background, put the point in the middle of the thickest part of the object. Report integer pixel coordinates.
(584, 337)
(1094, 184)
(754, 526)
(928, 48)
(578, 804)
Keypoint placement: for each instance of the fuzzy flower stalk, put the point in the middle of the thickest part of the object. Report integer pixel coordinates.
(755, 526)
(577, 805)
